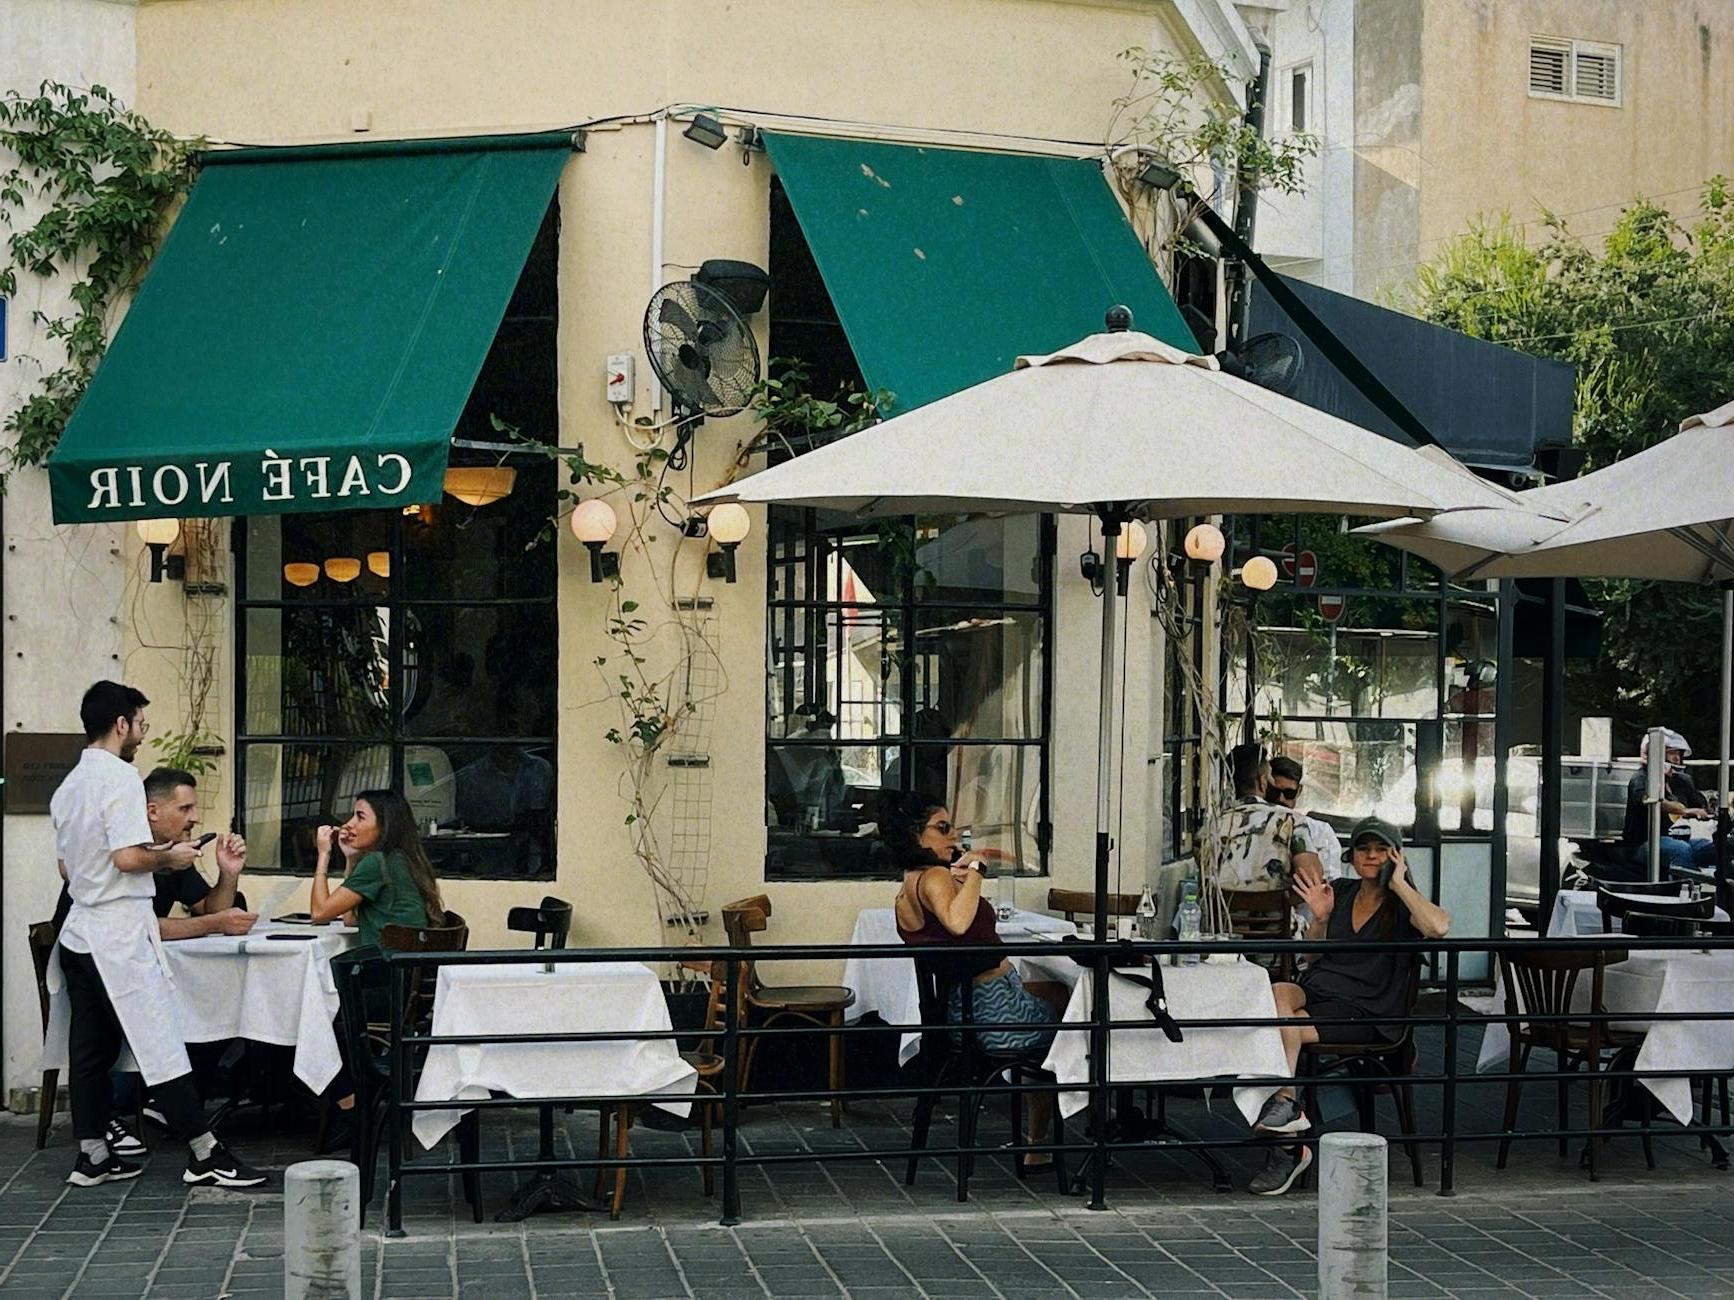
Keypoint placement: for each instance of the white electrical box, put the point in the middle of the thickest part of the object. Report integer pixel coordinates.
(620, 378)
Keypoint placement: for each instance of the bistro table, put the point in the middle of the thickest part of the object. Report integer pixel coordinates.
(272, 985)
(887, 984)
(570, 998)
(1649, 981)
(1575, 913)
(1214, 990)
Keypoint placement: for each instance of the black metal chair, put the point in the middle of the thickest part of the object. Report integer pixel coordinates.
(951, 1055)
(1396, 1060)
(364, 986)
(1657, 898)
(1661, 925)
(550, 922)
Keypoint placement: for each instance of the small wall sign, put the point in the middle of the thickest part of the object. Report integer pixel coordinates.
(36, 763)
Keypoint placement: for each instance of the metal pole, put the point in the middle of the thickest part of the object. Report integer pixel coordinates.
(322, 1231)
(1448, 1144)
(1354, 1227)
(1552, 745)
(1104, 850)
(1727, 690)
(399, 1059)
(1656, 790)
(731, 1186)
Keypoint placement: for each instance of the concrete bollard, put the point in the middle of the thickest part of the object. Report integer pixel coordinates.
(1353, 1224)
(322, 1231)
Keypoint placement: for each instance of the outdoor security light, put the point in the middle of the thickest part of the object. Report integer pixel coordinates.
(1159, 175)
(1205, 543)
(158, 535)
(728, 525)
(593, 523)
(706, 130)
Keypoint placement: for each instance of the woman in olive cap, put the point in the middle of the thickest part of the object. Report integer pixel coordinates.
(1345, 983)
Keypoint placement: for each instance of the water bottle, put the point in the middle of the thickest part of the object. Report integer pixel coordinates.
(1188, 920)
(1147, 915)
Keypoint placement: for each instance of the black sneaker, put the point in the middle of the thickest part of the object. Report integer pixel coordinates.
(1281, 1115)
(154, 1116)
(121, 1141)
(221, 1169)
(87, 1173)
(1281, 1168)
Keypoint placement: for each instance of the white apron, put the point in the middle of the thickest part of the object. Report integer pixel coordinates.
(126, 944)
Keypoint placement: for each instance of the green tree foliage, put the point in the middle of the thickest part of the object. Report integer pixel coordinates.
(1648, 320)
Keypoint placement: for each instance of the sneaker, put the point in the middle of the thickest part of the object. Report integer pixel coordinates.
(221, 1169)
(154, 1116)
(121, 1141)
(1281, 1115)
(1281, 1169)
(87, 1173)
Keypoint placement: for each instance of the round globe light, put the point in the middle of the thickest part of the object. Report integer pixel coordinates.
(1259, 573)
(343, 568)
(158, 532)
(729, 524)
(298, 573)
(1131, 541)
(1205, 543)
(593, 522)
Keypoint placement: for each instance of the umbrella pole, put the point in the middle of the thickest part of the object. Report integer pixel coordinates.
(1104, 849)
(1727, 690)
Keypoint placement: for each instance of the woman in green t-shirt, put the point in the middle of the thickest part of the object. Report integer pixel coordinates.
(387, 879)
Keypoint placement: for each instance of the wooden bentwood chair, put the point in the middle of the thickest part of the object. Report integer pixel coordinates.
(1263, 914)
(1542, 984)
(819, 1005)
(1073, 903)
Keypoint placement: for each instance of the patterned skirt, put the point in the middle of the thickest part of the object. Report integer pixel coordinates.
(1005, 1001)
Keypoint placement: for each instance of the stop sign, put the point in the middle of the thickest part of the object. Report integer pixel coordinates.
(1331, 608)
(1302, 569)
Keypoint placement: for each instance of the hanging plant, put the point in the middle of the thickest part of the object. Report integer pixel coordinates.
(102, 180)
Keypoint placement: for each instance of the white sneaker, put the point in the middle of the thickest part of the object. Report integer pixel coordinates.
(123, 1142)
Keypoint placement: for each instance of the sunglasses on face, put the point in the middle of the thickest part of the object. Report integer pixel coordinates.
(1284, 796)
(944, 828)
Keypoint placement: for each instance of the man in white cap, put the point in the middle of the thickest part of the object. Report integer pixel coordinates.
(1679, 798)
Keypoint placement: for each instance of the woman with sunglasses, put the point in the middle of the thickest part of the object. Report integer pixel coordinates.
(940, 904)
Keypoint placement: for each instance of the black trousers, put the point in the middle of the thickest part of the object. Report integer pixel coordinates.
(94, 1048)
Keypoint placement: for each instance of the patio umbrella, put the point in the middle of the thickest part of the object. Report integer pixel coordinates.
(1665, 513)
(1120, 426)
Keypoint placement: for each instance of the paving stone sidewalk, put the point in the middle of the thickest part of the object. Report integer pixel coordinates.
(835, 1226)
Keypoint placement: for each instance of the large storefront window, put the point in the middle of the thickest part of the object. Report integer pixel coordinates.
(416, 650)
(905, 655)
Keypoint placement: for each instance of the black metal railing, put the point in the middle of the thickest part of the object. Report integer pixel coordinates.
(1098, 1142)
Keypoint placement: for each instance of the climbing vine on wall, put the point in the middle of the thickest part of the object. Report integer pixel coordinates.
(87, 186)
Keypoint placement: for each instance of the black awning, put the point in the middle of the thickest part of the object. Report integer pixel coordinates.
(1490, 405)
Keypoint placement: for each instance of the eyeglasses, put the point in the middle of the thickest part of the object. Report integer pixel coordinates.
(1284, 796)
(141, 726)
(944, 828)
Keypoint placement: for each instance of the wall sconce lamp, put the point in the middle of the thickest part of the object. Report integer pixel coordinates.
(1159, 175)
(728, 526)
(1258, 574)
(706, 130)
(593, 524)
(158, 535)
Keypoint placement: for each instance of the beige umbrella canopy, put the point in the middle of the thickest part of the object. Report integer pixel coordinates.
(1122, 420)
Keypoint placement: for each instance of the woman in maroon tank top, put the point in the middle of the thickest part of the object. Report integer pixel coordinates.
(940, 904)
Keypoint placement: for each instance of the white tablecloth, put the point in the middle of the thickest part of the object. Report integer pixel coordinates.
(250, 986)
(887, 984)
(1204, 992)
(1677, 979)
(1575, 913)
(573, 998)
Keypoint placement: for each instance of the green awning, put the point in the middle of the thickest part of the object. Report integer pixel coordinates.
(946, 264)
(309, 332)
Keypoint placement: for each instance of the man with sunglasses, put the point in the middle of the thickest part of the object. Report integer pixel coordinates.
(1283, 789)
(1263, 843)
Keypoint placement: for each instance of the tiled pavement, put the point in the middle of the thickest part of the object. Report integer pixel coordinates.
(848, 1227)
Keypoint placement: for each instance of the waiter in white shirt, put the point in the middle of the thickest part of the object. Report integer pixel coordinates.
(110, 954)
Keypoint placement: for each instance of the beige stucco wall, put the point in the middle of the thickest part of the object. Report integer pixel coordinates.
(1489, 146)
(248, 70)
